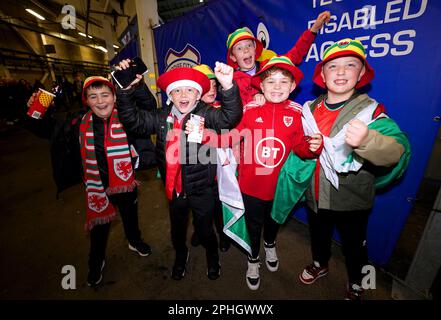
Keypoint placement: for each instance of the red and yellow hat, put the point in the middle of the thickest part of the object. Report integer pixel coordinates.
(205, 70)
(235, 37)
(343, 48)
(90, 80)
(183, 77)
(281, 62)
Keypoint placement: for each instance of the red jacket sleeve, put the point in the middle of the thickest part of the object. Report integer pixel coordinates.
(301, 48)
(247, 91)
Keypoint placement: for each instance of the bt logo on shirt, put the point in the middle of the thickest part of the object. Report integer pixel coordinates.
(270, 151)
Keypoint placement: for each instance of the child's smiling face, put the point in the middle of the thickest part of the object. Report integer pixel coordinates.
(210, 96)
(244, 54)
(184, 98)
(277, 86)
(101, 100)
(342, 74)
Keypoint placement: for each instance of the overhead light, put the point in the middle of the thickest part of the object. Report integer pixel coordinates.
(201, 1)
(84, 35)
(35, 14)
(101, 48)
(115, 46)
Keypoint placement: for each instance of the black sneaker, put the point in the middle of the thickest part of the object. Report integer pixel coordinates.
(195, 239)
(213, 267)
(178, 271)
(141, 247)
(95, 275)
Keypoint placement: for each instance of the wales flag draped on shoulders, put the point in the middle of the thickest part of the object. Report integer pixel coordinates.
(337, 157)
(231, 197)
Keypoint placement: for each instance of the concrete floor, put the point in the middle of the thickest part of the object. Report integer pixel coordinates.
(39, 235)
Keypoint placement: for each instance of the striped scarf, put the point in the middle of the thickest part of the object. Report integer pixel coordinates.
(121, 178)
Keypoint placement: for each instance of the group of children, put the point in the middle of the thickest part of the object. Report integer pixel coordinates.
(254, 107)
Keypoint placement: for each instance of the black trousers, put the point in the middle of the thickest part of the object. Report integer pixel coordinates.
(127, 204)
(202, 206)
(258, 217)
(352, 227)
(219, 215)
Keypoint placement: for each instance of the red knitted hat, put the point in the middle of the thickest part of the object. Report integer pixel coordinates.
(184, 77)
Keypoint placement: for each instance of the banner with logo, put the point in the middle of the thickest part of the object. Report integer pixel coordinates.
(402, 47)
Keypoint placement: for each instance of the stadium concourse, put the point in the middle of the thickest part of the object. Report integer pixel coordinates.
(40, 235)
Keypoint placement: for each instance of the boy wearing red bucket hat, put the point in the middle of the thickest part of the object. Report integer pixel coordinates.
(357, 125)
(107, 171)
(276, 129)
(188, 167)
(244, 50)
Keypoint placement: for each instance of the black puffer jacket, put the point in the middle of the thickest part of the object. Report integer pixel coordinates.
(195, 175)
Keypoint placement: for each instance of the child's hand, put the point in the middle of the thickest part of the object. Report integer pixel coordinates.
(32, 99)
(125, 64)
(259, 99)
(315, 142)
(322, 18)
(355, 134)
(224, 74)
(188, 127)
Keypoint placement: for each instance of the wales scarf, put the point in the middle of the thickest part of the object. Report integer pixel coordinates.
(121, 177)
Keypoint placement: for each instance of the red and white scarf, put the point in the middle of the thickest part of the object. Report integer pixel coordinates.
(121, 176)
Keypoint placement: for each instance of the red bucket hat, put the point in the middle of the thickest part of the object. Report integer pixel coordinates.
(183, 77)
(235, 37)
(281, 62)
(344, 48)
(90, 80)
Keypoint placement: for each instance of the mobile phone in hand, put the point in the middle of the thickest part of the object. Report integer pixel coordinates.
(124, 78)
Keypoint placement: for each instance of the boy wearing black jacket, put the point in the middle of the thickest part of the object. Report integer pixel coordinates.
(188, 178)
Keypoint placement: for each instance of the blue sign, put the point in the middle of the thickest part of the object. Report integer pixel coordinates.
(402, 47)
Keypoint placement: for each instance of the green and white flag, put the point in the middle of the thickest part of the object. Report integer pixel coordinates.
(336, 157)
(231, 197)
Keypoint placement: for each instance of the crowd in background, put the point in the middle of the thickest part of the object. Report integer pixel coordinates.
(14, 95)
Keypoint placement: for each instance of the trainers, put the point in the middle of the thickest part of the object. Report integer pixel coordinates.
(354, 292)
(178, 271)
(312, 272)
(142, 248)
(271, 261)
(213, 267)
(95, 275)
(252, 276)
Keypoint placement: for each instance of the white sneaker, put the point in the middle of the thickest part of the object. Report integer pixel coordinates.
(253, 278)
(271, 261)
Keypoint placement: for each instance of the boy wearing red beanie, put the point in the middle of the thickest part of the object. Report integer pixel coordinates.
(189, 168)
